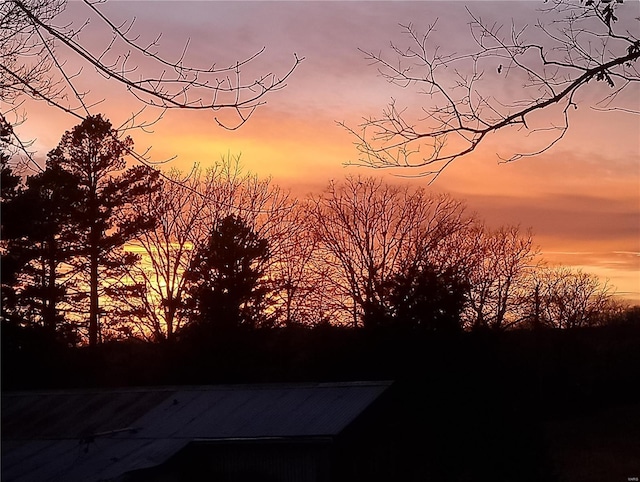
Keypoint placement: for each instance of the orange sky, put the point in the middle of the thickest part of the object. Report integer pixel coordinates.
(582, 198)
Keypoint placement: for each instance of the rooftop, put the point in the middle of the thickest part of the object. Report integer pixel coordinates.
(100, 434)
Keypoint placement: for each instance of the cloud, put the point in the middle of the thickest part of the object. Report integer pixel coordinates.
(583, 196)
(572, 218)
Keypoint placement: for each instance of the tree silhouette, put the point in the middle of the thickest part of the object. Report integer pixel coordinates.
(426, 299)
(225, 278)
(10, 188)
(368, 232)
(39, 230)
(106, 217)
(156, 311)
(470, 95)
(302, 291)
(498, 278)
(565, 298)
(186, 208)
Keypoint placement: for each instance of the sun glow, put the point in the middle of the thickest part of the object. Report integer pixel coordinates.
(160, 271)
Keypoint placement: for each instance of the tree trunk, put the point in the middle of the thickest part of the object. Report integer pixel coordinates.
(94, 305)
(170, 312)
(51, 296)
(536, 312)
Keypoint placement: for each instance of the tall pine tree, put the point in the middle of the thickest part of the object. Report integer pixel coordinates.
(38, 231)
(106, 219)
(10, 188)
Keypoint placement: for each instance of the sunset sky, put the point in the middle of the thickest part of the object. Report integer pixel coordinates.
(581, 198)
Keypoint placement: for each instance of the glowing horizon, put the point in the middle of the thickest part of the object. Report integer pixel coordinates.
(581, 198)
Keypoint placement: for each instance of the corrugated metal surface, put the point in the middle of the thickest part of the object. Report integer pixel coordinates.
(98, 435)
(259, 411)
(73, 414)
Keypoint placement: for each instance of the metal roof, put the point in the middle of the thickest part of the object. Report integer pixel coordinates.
(100, 434)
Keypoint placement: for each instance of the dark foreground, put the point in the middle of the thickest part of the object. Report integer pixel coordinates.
(520, 406)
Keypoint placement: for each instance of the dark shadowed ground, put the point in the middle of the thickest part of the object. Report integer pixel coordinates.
(519, 406)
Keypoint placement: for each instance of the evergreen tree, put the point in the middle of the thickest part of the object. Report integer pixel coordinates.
(106, 219)
(427, 299)
(38, 229)
(227, 289)
(11, 186)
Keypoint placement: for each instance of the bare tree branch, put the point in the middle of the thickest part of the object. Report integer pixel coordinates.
(33, 48)
(579, 44)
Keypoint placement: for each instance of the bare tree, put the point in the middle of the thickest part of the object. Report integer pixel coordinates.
(568, 298)
(154, 309)
(300, 274)
(369, 231)
(505, 258)
(291, 271)
(470, 95)
(35, 47)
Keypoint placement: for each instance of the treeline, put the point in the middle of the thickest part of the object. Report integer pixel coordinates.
(95, 251)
